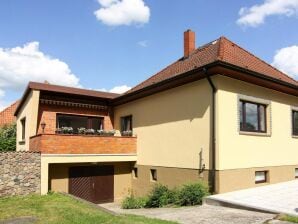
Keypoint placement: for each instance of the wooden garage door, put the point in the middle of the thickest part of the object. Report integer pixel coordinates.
(92, 183)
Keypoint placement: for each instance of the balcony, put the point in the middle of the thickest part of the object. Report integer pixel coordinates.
(82, 144)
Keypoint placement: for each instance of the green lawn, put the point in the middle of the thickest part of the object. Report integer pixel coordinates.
(289, 218)
(62, 209)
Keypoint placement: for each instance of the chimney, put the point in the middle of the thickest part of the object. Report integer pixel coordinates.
(189, 42)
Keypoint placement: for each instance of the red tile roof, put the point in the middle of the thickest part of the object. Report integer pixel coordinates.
(7, 115)
(223, 50)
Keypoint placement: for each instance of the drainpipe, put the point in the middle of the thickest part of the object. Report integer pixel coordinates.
(213, 133)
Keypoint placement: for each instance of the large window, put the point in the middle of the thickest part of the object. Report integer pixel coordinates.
(76, 122)
(295, 122)
(126, 124)
(23, 124)
(252, 116)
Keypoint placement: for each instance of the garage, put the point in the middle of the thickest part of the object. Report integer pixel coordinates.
(92, 183)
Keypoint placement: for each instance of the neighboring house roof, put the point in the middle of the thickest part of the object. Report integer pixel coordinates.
(7, 115)
(220, 50)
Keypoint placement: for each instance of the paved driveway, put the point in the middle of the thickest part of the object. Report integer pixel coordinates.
(206, 214)
(277, 198)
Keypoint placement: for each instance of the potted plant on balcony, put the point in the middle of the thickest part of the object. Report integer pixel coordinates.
(58, 131)
(67, 130)
(126, 133)
(81, 130)
(100, 132)
(90, 131)
(106, 133)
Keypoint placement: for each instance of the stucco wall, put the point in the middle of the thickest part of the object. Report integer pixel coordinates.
(236, 150)
(172, 127)
(29, 110)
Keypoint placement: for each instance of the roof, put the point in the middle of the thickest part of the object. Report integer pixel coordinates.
(71, 90)
(7, 114)
(222, 50)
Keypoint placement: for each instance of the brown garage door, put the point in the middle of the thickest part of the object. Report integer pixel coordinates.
(92, 183)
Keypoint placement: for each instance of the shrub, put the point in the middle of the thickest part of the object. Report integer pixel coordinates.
(192, 194)
(160, 196)
(8, 138)
(132, 202)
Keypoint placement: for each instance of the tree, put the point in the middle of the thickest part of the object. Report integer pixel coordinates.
(8, 138)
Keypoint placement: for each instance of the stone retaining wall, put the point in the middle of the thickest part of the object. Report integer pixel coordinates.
(19, 173)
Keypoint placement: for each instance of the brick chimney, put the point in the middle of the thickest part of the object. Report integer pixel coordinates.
(189, 42)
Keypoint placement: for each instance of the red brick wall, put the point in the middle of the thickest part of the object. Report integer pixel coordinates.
(7, 115)
(47, 114)
(78, 144)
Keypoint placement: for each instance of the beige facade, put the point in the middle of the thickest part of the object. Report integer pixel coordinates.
(28, 111)
(172, 127)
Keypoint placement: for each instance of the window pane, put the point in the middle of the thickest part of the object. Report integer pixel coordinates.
(97, 123)
(251, 111)
(296, 172)
(126, 123)
(241, 114)
(260, 176)
(295, 122)
(262, 118)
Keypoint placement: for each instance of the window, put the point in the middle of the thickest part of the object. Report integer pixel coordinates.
(76, 122)
(153, 174)
(296, 173)
(135, 172)
(126, 123)
(295, 122)
(261, 177)
(23, 123)
(252, 116)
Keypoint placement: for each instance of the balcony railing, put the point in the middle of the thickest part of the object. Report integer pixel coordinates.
(82, 144)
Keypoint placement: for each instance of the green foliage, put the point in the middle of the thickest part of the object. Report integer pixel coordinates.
(132, 202)
(160, 196)
(8, 138)
(192, 194)
(288, 218)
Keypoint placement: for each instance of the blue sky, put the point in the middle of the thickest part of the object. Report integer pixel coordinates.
(129, 40)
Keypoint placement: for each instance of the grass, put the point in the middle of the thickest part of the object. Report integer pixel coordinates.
(62, 209)
(288, 218)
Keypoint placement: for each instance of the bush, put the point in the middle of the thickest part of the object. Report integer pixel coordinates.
(8, 138)
(192, 194)
(160, 196)
(132, 202)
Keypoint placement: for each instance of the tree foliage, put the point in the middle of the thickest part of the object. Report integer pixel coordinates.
(8, 138)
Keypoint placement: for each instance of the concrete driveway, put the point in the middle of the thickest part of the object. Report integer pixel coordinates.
(275, 198)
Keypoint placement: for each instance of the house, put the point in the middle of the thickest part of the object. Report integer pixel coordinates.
(219, 114)
(7, 114)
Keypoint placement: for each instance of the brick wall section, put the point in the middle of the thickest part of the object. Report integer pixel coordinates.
(19, 173)
(7, 115)
(47, 113)
(82, 144)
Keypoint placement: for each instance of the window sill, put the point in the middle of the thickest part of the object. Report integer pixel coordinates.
(294, 136)
(260, 182)
(262, 134)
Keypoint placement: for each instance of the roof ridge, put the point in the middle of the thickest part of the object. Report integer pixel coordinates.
(258, 58)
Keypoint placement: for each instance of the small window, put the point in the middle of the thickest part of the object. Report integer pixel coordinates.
(296, 173)
(252, 116)
(153, 174)
(261, 177)
(135, 172)
(126, 125)
(295, 122)
(23, 123)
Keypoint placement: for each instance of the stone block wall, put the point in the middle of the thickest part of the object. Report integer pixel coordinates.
(19, 173)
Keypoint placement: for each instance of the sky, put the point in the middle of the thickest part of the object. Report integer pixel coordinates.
(112, 45)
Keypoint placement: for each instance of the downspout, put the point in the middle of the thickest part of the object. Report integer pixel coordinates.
(213, 132)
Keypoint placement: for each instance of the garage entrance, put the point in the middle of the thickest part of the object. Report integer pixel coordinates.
(92, 183)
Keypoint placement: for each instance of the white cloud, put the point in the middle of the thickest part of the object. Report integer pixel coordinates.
(256, 15)
(123, 12)
(143, 43)
(22, 64)
(286, 59)
(116, 89)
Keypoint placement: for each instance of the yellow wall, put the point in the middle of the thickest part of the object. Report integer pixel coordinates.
(30, 111)
(172, 127)
(236, 150)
